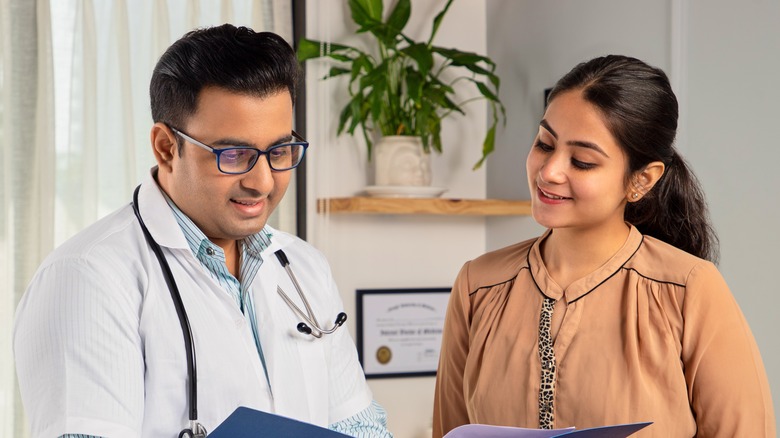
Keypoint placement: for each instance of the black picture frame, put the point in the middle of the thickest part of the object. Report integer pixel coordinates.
(399, 330)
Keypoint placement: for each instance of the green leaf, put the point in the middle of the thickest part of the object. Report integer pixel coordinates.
(310, 49)
(336, 71)
(414, 84)
(461, 58)
(399, 17)
(421, 55)
(376, 108)
(437, 21)
(338, 57)
(495, 80)
(356, 110)
(487, 92)
(487, 146)
(366, 13)
(458, 57)
(343, 118)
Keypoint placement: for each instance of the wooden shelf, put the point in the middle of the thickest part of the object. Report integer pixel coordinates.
(440, 206)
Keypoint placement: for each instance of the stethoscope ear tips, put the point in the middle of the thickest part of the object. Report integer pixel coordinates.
(305, 329)
(340, 319)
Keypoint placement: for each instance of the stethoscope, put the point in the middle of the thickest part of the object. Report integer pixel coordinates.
(309, 326)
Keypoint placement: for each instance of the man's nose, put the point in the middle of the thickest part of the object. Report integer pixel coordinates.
(260, 177)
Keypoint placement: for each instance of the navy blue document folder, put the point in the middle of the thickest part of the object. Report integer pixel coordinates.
(250, 423)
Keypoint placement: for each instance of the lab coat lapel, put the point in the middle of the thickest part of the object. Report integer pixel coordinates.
(296, 366)
(158, 216)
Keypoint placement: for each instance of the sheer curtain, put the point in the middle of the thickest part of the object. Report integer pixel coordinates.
(74, 125)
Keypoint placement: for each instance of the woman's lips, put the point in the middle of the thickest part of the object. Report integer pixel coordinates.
(550, 198)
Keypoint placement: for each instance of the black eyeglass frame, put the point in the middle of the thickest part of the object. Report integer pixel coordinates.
(267, 153)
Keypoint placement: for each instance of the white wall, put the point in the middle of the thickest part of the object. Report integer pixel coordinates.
(723, 57)
(373, 252)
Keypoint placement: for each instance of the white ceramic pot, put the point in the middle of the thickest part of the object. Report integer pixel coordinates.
(399, 160)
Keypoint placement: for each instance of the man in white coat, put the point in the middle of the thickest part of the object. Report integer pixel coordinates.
(99, 345)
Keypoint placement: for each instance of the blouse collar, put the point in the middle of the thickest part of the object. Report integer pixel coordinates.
(548, 287)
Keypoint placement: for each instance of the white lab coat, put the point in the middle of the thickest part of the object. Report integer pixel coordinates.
(99, 348)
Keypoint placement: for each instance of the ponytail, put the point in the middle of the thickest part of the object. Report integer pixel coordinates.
(675, 212)
(640, 110)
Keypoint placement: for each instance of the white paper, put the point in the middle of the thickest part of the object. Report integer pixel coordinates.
(486, 431)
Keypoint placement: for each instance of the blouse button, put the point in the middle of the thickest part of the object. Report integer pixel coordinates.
(209, 251)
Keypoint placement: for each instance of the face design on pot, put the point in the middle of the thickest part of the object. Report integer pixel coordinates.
(409, 167)
(403, 164)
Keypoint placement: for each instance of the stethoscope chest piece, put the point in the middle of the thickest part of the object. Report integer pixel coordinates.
(196, 430)
(309, 325)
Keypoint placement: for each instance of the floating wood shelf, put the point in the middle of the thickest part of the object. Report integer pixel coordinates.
(440, 206)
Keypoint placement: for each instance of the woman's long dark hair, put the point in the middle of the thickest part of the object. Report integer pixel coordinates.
(640, 110)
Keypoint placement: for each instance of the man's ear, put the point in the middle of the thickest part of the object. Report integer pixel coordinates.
(164, 145)
(643, 180)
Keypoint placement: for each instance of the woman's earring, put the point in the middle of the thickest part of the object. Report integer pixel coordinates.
(636, 195)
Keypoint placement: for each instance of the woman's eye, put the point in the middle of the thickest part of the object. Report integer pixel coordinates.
(581, 164)
(544, 147)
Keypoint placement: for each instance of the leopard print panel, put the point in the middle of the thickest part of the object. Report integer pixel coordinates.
(547, 358)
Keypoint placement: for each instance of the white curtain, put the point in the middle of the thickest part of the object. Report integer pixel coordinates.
(74, 125)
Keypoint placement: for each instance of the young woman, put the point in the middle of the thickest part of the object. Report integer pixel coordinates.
(617, 313)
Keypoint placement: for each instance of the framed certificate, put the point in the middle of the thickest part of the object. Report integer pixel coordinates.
(399, 330)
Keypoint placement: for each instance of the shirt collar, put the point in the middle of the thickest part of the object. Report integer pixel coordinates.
(252, 245)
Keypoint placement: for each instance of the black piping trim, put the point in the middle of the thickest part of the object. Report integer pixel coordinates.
(527, 266)
(622, 267)
(654, 279)
(641, 242)
(496, 284)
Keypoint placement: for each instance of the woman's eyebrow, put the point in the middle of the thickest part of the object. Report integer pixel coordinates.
(578, 143)
(546, 126)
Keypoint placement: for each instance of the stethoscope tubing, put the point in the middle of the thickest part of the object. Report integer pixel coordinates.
(186, 329)
(310, 327)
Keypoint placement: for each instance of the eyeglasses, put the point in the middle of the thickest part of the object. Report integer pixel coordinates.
(235, 160)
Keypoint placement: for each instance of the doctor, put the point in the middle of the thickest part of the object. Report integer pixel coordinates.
(98, 343)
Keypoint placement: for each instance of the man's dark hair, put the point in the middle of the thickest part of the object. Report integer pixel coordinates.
(236, 59)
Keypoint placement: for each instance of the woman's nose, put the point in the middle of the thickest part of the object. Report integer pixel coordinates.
(553, 169)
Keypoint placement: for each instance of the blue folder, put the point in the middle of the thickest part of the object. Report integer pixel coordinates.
(250, 423)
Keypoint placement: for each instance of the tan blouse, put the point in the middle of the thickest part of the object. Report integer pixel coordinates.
(652, 335)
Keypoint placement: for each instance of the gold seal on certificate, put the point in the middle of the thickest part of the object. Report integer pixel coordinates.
(383, 355)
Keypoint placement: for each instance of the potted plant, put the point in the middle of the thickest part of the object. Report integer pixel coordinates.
(405, 88)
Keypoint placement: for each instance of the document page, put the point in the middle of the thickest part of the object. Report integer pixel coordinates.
(487, 431)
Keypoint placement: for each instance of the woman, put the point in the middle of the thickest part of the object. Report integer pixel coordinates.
(617, 313)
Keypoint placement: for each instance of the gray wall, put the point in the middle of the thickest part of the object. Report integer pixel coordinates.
(723, 57)
(733, 62)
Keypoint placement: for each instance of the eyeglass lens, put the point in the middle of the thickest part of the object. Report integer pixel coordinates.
(280, 157)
